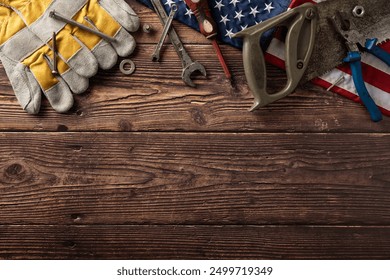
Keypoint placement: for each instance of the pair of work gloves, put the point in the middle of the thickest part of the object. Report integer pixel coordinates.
(26, 46)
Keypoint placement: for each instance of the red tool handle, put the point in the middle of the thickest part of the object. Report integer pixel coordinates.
(201, 9)
(208, 27)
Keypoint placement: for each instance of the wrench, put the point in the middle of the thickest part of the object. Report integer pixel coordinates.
(189, 66)
(168, 24)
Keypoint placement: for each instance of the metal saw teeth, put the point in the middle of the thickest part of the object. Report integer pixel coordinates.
(384, 42)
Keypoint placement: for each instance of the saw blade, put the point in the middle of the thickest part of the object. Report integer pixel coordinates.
(330, 48)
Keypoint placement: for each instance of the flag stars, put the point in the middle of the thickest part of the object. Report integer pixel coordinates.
(189, 13)
(268, 7)
(238, 15)
(219, 5)
(243, 27)
(169, 3)
(229, 33)
(224, 19)
(234, 2)
(254, 11)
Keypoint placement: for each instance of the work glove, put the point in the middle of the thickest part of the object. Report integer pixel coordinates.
(26, 46)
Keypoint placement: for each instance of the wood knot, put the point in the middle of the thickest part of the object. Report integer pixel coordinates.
(125, 126)
(15, 171)
(198, 116)
(62, 128)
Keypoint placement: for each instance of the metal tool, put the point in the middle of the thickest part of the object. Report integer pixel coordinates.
(353, 39)
(57, 16)
(55, 54)
(208, 28)
(167, 27)
(329, 50)
(189, 66)
(337, 82)
(124, 63)
(313, 46)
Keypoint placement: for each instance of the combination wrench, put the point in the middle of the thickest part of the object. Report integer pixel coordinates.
(167, 27)
(189, 66)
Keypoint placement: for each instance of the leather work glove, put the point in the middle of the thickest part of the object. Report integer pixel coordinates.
(26, 46)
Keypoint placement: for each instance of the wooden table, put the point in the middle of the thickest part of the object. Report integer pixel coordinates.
(144, 167)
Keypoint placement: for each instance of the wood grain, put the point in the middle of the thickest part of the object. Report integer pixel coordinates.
(193, 242)
(144, 167)
(176, 178)
(155, 98)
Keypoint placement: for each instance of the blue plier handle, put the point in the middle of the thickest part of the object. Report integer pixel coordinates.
(353, 40)
(372, 48)
(354, 59)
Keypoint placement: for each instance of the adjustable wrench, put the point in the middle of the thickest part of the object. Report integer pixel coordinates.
(189, 66)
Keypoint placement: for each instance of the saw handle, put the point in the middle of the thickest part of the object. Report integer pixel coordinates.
(301, 23)
(354, 59)
(372, 48)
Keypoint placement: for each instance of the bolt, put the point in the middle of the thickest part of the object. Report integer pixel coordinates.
(310, 14)
(147, 28)
(300, 65)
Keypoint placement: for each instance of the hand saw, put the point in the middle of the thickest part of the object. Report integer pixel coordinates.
(313, 45)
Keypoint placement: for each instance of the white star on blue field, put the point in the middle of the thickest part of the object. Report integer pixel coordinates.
(231, 16)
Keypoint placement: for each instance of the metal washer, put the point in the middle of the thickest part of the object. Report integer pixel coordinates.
(124, 63)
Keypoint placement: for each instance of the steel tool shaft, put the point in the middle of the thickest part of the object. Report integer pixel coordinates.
(167, 27)
(57, 16)
(55, 54)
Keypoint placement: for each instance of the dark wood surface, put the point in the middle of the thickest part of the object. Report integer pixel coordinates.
(144, 167)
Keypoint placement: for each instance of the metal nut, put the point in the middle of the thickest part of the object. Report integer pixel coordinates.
(124, 63)
(358, 11)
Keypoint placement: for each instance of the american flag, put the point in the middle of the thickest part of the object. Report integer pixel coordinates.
(231, 16)
(375, 72)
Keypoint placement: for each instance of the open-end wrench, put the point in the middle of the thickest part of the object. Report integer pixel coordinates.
(189, 66)
(167, 27)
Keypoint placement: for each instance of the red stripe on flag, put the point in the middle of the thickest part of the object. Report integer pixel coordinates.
(344, 93)
(371, 75)
(275, 60)
(322, 83)
(296, 3)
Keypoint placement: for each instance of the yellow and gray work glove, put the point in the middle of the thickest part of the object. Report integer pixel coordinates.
(26, 46)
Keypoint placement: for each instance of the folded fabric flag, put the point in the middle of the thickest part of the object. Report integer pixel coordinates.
(376, 73)
(231, 16)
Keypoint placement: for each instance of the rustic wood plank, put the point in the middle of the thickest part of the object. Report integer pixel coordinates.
(193, 242)
(190, 178)
(154, 99)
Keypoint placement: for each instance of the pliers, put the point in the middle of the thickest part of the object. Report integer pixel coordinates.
(353, 40)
